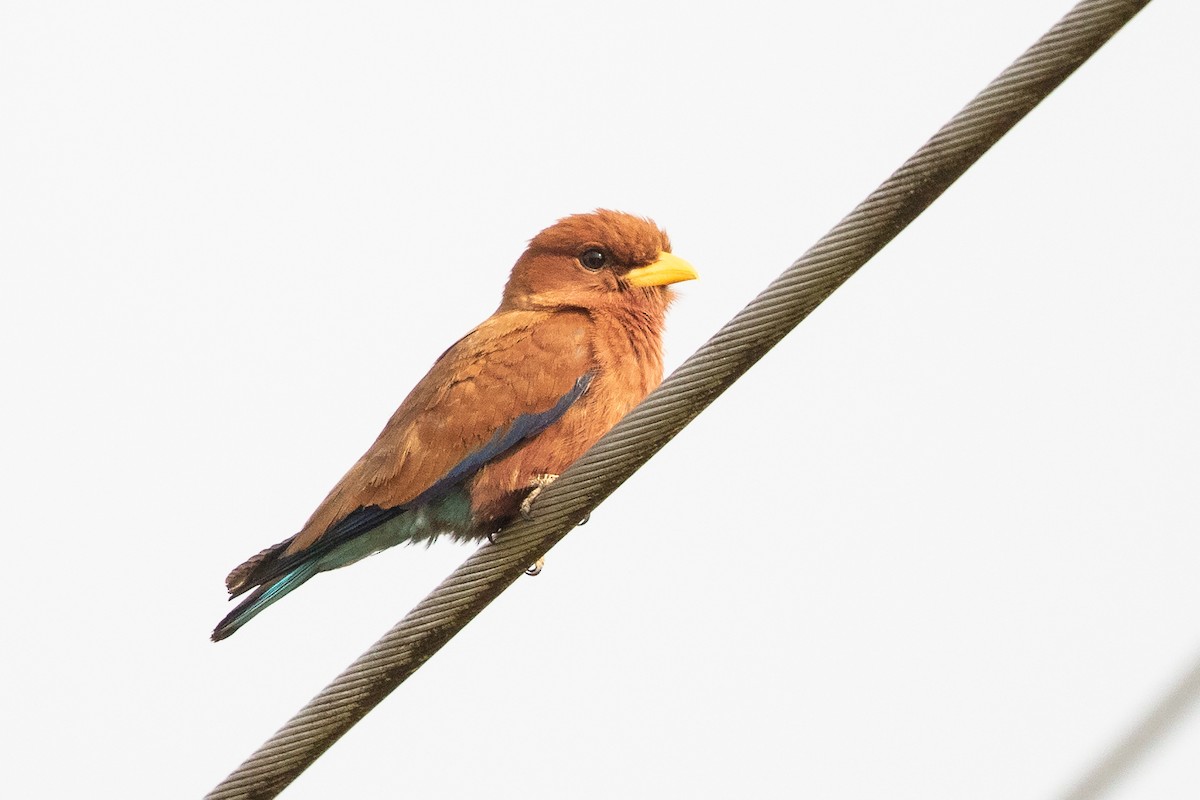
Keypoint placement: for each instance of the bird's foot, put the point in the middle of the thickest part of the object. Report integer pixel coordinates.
(539, 483)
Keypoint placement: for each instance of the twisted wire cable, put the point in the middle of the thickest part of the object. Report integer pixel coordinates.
(683, 395)
(1167, 712)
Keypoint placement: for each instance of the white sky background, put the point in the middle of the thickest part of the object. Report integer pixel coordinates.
(941, 542)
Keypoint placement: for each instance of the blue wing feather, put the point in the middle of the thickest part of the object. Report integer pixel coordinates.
(524, 427)
(278, 576)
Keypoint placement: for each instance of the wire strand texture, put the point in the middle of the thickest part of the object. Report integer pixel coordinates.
(683, 395)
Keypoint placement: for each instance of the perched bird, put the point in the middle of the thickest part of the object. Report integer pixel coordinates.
(575, 344)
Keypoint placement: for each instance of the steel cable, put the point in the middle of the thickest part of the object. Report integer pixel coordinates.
(1167, 712)
(683, 395)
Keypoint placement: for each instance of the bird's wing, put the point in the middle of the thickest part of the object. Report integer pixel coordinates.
(499, 385)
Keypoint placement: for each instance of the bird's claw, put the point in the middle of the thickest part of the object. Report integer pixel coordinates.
(539, 483)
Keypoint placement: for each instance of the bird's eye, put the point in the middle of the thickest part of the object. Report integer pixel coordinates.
(593, 258)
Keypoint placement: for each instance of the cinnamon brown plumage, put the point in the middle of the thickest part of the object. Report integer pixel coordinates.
(574, 345)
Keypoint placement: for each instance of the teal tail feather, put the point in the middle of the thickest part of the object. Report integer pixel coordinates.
(262, 597)
(360, 533)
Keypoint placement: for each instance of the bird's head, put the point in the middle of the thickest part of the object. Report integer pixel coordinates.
(602, 260)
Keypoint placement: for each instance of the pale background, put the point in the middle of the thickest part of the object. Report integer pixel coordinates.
(942, 542)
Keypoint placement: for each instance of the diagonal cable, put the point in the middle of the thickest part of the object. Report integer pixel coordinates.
(1168, 711)
(711, 370)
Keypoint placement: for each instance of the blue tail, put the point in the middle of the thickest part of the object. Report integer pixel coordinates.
(262, 597)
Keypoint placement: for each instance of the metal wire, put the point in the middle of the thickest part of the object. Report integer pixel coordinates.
(704, 376)
(1157, 722)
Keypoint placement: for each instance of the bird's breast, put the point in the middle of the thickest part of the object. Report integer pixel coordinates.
(628, 356)
(625, 363)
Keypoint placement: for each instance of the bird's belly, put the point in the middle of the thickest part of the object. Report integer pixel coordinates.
(448, 515)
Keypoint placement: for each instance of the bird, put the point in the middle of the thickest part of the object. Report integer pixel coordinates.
(574, 345)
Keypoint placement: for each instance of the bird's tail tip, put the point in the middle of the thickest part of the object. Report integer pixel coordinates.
(259, 599)
(238, 617)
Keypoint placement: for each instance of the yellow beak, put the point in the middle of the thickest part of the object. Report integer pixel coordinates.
(667, 268)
